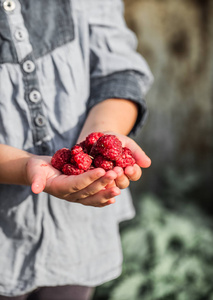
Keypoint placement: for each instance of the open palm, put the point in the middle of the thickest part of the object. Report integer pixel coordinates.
(88, 188)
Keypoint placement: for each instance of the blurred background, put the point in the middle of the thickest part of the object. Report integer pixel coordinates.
(168, 246)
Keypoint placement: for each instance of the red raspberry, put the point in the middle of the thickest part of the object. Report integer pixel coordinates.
(101, 162)
(69, 169)
(83, 146)
(81, 160)
(60, 158)
(91, 139)
(76, 149)
(127, 152)
(108, 146)
(72, 161)
(126, 159)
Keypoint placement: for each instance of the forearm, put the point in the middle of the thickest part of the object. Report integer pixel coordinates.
(13, 165)
(116, 115)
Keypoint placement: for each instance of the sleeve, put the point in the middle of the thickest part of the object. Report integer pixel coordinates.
(116, 69)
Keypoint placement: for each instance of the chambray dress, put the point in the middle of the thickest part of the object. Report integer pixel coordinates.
(59, 58)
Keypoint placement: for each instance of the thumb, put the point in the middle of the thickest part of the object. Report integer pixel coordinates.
(142, 159)
(38, 181)
(139, 155)
(38, 185)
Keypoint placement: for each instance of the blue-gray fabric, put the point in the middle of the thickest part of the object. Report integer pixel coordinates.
(75, 54)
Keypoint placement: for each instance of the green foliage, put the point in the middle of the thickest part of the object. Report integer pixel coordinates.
(168, 254)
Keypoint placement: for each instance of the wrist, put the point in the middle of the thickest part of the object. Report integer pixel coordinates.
(111, 115)
(25, 170)
(13, 163)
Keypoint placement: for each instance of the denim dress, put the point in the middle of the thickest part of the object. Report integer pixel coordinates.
(59, 58)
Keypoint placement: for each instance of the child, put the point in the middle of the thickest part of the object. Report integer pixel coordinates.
(68, 68)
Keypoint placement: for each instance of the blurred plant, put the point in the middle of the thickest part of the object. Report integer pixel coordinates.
(168, 254)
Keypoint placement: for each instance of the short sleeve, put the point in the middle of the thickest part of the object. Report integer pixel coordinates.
(116, 69)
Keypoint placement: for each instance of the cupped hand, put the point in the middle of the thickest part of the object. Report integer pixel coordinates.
(92, 188)
(130, 173)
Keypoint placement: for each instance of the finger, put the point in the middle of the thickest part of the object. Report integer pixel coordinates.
(38, 177)
(133, 172)
(37, 186)
(68, 184)
(112, 183)
(141, 158)
(122, 180)
(139, 155)
(103, 198)
(96, 186)
(108, 202)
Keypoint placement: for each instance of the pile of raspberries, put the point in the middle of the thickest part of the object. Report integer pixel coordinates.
(98, 150)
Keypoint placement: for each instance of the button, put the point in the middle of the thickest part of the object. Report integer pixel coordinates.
(40, 120)
(28, 66)
(35, 96)
(19, 35)
(9, 5)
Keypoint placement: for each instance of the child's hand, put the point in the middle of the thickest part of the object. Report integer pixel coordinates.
(90, 188)
(95, 187)
(131, 173)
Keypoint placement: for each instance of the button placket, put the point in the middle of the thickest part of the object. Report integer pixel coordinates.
(17, 26)
(27, 62)
(34, 99)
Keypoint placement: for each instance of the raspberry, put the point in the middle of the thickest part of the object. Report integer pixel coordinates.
(106, 149)
(91, 139)
(126, 159)
(81, 160)
(101, 162)
(82, 144)
(69, 169)
(127, 152)
(60, 158)
(76, 149)
(108, 146)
